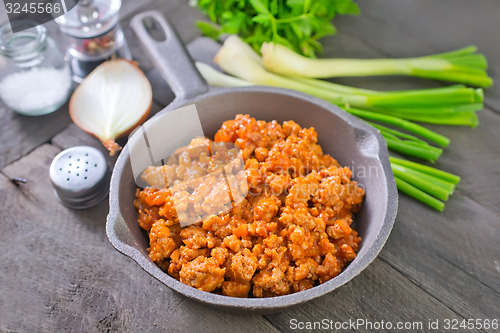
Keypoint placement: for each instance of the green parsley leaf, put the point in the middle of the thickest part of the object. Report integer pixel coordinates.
(297, 24)
(260, 6)
(208, 29)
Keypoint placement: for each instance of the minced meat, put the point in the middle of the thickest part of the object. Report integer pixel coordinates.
(292, 231)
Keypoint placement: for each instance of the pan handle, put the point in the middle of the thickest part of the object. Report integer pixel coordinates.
(168, 54)
(119, 233)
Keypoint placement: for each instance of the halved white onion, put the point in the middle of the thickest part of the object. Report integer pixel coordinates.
(112, 100)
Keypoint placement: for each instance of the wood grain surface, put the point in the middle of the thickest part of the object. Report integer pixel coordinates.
(59, 273)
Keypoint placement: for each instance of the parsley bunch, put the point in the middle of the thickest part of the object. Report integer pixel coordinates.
(297, 24)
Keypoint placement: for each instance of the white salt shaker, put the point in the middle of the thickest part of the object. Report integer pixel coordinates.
(35, 78)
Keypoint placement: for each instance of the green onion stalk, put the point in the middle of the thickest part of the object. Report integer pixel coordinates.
(461, 66)
(453, 105)
(408, 144)
(426, 184)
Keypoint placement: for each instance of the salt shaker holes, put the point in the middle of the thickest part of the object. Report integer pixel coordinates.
(87, 186)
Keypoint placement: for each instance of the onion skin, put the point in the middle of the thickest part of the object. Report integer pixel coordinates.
(110, 143)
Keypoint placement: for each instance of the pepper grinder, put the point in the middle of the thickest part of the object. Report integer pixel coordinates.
(93, 35)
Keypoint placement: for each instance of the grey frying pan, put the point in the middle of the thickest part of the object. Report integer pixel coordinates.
(351, 141)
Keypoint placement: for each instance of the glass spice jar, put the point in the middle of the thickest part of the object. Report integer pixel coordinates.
(93, 35)
(35, 78)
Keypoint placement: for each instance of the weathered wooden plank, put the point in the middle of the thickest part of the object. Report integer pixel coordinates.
(130, 8)
(58, 272)
(73, 136)
(454, 255)
(439, 24)
(378, 293)
(21, 134)
(181, 16)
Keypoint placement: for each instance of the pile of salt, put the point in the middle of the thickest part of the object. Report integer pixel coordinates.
(36, 91)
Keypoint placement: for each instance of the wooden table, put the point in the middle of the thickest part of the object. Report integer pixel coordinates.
(58, 271)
